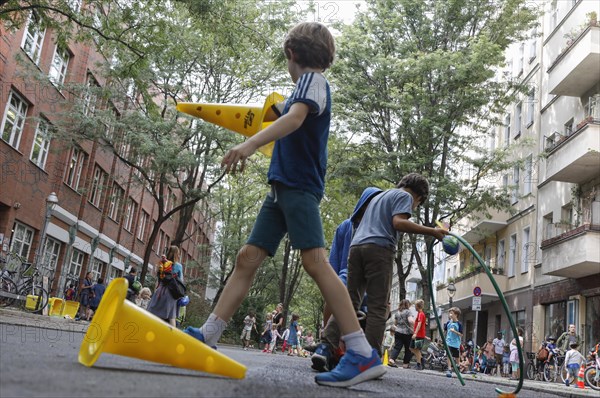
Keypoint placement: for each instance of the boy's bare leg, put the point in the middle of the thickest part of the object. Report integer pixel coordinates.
(248, 260)
(333, 290)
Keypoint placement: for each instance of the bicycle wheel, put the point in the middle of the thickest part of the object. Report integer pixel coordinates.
(8, 291)
(592, 378)
(35, 298)
(530, 371)
(564, 375)
(550, 371)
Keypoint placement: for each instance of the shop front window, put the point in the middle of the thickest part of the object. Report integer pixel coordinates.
(555, 321)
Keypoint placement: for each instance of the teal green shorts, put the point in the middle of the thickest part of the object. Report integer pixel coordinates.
(290, 210)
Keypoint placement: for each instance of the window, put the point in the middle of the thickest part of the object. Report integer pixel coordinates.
(130, 211)
(143, 225)
(548, 227)
(58, 68)
(573, 312)
(521, 56)
(501, 254)
(519, 319)
(533, 45)
(518, 119)
(98, 185)
(515, 190)
(567, 216)
(113, 273)
(116, 200)
(171, 199)
(74, 268)
(90, 97)
(528, 178)
(73, 173)
(51, 253)
(525, 251)
(568, 127)
(530, 108)
(553, 14)
(505, 182)
(96, 269)
(488, 256)
(555, 320)
(33, 38)
(507, 130)
(512, 255)
(74, 5)
(22, 236)
(14, 120)
(41, 144)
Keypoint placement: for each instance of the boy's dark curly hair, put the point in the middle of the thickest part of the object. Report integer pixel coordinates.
(312, 44)
(417, 183)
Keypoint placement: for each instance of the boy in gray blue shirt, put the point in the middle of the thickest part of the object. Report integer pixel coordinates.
(373, 249)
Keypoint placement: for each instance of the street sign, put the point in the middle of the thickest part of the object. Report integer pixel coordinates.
(477, 291)
(476, 304)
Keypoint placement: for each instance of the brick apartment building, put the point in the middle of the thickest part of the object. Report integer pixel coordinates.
(102, 220)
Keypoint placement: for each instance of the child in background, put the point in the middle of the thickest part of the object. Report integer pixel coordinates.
(292, 340)
(453, 336)
(573, 360)
(506, 361)
(284, 337)
(70, 293)
(249, 323)
(388, 340)
(272, 348)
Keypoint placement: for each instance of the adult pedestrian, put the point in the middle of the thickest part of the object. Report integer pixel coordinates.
(567, 338)
(278, 322)
(162, 304)
(85, 295)
(403, 321)
(499, 345)
(99, 288)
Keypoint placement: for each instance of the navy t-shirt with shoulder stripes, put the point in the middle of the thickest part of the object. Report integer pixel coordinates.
(299, 159)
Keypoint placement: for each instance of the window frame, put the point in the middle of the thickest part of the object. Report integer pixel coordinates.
(58, 70)
(18, 123)
(35, 39)
(98, 187)
(41, 144)
(24, 241)
(74, 170)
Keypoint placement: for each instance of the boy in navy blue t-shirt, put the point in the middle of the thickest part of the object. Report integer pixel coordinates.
(297, 179)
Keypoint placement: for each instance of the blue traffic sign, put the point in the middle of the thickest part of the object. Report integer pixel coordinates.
(477, 291)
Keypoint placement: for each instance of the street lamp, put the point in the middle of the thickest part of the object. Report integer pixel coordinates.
(451, 292)
(51, 201)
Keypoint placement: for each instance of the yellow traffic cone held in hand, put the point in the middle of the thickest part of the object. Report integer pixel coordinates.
(121, 327)
(385, 358)
(245, 119)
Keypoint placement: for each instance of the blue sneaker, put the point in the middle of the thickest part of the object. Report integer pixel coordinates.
(321, 357)
(197, 334)
(353, 369)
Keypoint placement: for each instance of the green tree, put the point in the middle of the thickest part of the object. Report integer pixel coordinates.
(416, 84)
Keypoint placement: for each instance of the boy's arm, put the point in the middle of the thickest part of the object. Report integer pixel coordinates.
(402, 224)
(281, 127)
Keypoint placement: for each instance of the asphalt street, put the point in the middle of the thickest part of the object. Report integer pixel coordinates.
(38, 357)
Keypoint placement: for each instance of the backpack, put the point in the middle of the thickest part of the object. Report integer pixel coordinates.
(165, 270)
(542, 354)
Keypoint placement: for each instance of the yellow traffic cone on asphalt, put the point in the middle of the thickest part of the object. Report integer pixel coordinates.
(385, 358)
(121, 327)
(244, 119)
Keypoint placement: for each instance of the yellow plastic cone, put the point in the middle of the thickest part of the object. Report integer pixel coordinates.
(121, 327)
(385, 358)
(245, 119)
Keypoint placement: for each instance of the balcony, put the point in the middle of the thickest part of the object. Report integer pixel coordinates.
(575, 157)
(572, 253)
(466, 283)
(575, 70)
(479, 226)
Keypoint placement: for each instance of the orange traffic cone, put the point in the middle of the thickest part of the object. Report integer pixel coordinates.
(244, 119)
(580, 382)
(121, 327)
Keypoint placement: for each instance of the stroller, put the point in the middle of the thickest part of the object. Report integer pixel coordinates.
(436, 358)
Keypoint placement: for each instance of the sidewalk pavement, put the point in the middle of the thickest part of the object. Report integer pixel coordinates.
(10, 316)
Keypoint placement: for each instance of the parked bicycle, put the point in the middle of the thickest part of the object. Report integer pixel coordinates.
(592, 372)
(534, 370)
(552, 367)
(23, 289)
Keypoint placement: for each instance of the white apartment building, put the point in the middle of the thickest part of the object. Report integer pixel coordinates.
(546, 254)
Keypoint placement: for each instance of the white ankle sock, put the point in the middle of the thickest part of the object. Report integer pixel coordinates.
(212, 329)
(358, 343)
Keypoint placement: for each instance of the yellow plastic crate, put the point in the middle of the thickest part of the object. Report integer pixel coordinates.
(31, 302)
(55, 305)
(70, 308)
